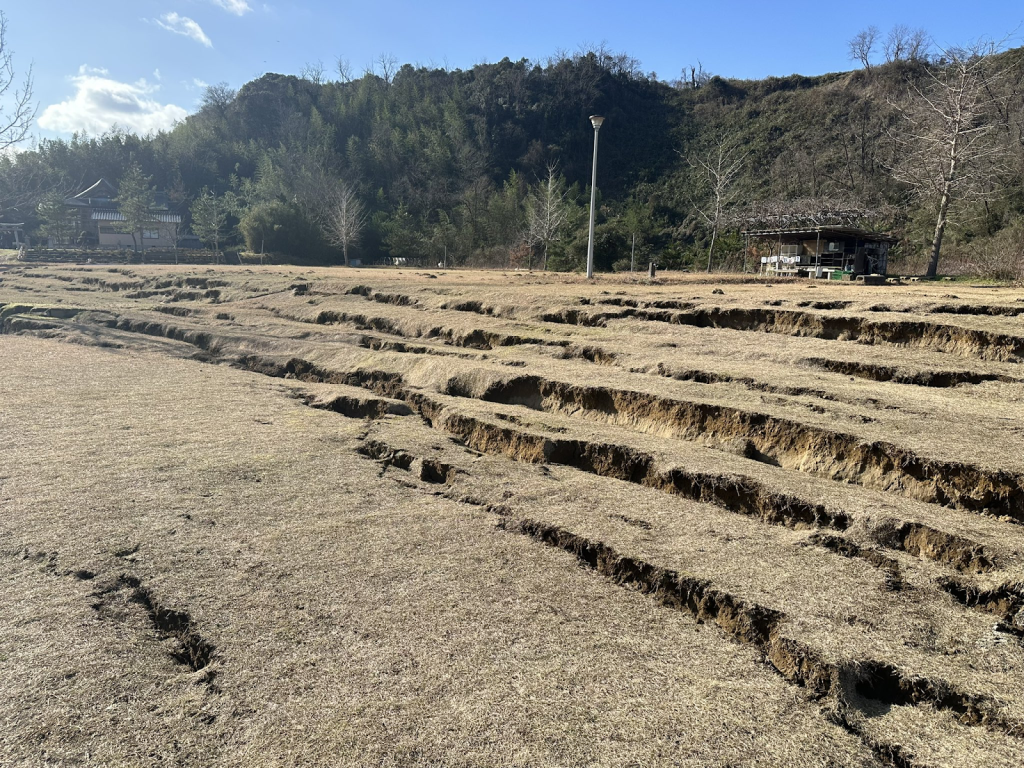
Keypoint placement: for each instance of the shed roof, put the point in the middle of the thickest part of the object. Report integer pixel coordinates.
(825, 232)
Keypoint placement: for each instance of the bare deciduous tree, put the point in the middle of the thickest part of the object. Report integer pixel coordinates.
(312, 188)
(388, 65)
(946, 143)
(919, 45)
(345, 218)
(717, 169)
(862, 46)
(692, 78)
(894, 46)
(24, 181)
(314, 72)
(16, 108)
(546, 213)
(209, 219)
(905, 44)
(344, 68)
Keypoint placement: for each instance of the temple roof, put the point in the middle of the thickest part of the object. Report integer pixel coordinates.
(163, 218)
(101, 190)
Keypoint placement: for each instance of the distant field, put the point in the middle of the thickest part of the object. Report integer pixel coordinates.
(283, 516)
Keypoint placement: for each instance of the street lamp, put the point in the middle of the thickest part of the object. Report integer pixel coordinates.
(596, 121)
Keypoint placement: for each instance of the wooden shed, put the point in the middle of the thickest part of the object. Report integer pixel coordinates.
(825, 252)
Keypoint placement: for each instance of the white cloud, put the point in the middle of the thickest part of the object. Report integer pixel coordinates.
(157, 75)
(199, 83)
(237, 7)
(100, 103)
(183, 25)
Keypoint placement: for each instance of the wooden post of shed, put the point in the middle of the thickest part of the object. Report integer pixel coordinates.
(817, 257)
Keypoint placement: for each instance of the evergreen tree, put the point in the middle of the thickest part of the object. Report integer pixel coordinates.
(134, 201)
(401, 235)
(56, 219)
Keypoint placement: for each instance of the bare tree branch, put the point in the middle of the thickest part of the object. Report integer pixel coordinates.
(344, 219)
(717, 169)
(946, 143)
(862, 46)
(547, 212)
(314, 72)
(16, 108)
(344, 69)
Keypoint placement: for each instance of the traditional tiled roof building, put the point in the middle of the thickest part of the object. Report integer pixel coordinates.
(101, 223)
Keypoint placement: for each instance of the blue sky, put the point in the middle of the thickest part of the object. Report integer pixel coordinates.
(145, 63)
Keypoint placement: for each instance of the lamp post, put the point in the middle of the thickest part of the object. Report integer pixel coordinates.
(596, 121)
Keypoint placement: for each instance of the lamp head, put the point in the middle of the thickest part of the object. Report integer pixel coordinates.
(596, 120)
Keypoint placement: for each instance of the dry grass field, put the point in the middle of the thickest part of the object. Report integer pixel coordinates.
(295, 517)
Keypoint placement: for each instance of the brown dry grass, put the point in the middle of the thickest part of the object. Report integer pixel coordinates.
(366, 586)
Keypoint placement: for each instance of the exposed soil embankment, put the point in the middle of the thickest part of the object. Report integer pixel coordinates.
(738, 494)
(358, 407)
(1005, 601)
(763, 438)
(989, 310)
(379, 344)
(9, 314)
(712, 377)
(383, 383)
(479, 308)
(851, 688)
(743, 495)
(922, 540)
(477, 338)
(896, 375)
(201, 339)
(846, 548)
(397, 299)
(774, 440)
(848, 684)
(966, 342)
(581, 317)
(428, 470)
(824, 304)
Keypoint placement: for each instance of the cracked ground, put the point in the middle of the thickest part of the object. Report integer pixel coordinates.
(385, 517)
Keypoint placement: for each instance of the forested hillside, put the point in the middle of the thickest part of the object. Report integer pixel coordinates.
(491, 166)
